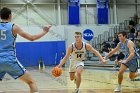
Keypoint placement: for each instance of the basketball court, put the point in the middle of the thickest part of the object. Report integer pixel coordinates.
(95, 80)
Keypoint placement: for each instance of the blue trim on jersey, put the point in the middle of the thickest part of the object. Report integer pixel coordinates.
(72, 48)
(12, 32)
(14, 48)
(14, 40)
(76, 47)
(85, 46)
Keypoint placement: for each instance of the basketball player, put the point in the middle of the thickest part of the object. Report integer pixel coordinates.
(77, 51)
(8, 60)
(127, 47)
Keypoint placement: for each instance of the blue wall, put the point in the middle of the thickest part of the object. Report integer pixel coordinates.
(29, 53)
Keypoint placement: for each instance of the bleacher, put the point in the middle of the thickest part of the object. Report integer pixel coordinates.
(96, 42)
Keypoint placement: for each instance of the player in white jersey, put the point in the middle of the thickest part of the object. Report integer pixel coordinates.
(77, 51)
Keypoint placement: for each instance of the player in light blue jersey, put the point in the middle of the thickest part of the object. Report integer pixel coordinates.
(127, 47)
(8, 60)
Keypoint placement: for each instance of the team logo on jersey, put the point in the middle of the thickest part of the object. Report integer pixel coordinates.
(88, 34)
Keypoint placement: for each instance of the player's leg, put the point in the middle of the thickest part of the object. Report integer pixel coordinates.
(133, 67)
(133, 75)
(72, 76)
(1, 77)
(120, 73)
(16, 70)
(78, 72)
(120, 77)
(27, 79)
(72, 70)
(79, 69)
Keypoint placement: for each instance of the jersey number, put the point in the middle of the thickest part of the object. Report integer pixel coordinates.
(79, 55)
(2, 34)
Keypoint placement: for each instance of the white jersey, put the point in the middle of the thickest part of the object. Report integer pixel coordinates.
(78, 54)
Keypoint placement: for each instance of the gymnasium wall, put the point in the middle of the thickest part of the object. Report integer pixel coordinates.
(65, 31)
(50, 47)
(129, 12)
(46, 11)
(54, 33)
(129, 6)
(97, 29)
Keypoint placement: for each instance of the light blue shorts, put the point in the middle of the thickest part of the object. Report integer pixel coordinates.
(11, 65)
(132, 65)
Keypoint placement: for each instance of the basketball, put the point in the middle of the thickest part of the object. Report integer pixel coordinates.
(56, 71)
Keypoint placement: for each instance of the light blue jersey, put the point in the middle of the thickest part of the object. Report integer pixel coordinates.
(124, 49)
(7, 40)
(8, 60)
(132, 64)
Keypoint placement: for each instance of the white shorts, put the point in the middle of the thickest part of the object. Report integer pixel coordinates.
(74, 65)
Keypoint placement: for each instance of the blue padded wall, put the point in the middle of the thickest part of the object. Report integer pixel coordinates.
(29, 53)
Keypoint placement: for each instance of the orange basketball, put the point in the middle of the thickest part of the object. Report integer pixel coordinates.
(56, 71)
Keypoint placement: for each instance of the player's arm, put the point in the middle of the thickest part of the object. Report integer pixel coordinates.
(113, 51)
(90, 48)
(66, 57)
(18, 30)
(130, 46)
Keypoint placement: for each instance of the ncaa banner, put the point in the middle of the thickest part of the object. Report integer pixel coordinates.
(88, 34)
(74, 11)
(102, 11)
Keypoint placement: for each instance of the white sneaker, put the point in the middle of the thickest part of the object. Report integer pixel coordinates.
(118, 88)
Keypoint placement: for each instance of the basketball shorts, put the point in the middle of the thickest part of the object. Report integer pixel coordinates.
(11, 65)
(74, 64)
(132, 65)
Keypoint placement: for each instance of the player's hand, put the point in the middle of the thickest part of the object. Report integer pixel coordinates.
(103, 61)
(46, 28)
(58, 66)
